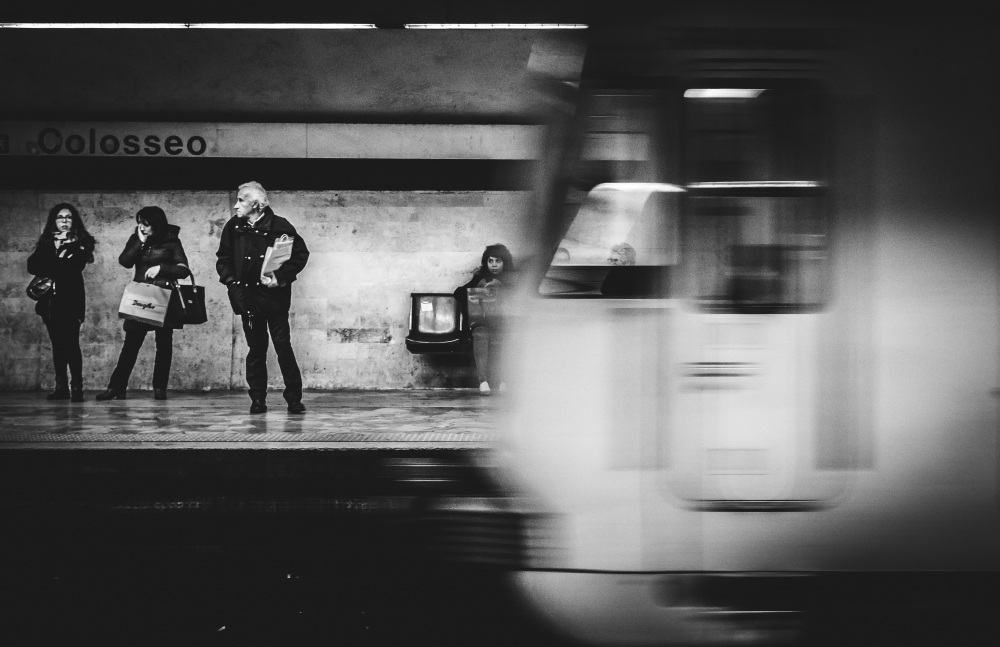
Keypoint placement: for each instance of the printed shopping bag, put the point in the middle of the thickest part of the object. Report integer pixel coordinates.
(145, 302)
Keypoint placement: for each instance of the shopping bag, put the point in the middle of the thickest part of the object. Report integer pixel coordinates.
(145, 302)
(187, 304)
(277, 254)
(482, 305)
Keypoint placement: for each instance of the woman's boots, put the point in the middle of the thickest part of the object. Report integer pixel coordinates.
(61, 393)
(62, 389)
(64, 392)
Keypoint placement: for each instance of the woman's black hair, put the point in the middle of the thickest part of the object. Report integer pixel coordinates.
(81, 232)
(154, 218)
(496, 251)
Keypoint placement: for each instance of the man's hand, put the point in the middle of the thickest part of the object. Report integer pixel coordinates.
(152, 272)
(268, 281)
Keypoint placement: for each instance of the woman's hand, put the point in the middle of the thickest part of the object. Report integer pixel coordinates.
(152, 272)
(142, 236)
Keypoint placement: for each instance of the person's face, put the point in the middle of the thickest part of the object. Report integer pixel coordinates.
(64, 220)
(145, 228)
(494, 265)
(246, 204)
(615, 259)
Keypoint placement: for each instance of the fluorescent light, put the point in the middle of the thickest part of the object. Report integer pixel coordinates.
(284, 25)
(721, 93)
(494, 26)
(767, 184)
(650, 187)
(182, 25)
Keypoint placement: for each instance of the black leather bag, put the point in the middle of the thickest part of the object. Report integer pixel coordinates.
(40, 287)
(187, 304)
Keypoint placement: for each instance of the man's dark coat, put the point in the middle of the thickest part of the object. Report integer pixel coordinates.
(241, 255)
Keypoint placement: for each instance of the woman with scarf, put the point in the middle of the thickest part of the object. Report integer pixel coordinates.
(62, 252)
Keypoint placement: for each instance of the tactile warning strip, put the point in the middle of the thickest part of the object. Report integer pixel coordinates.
(348, 420)
(435, 437)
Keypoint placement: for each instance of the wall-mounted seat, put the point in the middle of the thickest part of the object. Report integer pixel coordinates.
(437, 325)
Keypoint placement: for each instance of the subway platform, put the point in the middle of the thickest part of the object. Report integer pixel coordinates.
(399, 420)
(189, 521)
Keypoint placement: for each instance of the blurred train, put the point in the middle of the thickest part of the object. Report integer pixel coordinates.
(757, 345)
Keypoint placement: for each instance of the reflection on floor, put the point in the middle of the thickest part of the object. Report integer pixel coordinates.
(349, 419)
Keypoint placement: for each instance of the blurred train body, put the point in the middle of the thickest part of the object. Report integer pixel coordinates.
(796, 374)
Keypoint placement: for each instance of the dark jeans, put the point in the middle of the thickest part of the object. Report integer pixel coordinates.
(130, 351)
(65, 336)
(256, 327)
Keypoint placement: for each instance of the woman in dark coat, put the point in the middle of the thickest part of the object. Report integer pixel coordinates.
(158, 257)
(63, 250)
(496, 264)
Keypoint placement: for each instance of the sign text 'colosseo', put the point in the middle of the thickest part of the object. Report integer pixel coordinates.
(52, 141)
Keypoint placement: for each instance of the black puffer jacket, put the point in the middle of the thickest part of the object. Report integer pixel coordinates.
(167, 252)
(65, 268)
(241, 254)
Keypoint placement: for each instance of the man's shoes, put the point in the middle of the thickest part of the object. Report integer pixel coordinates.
(61, 393)
(258, 406)
(111, 394)
(296, 407)
(484, 388)
(76, 395)
(159, 394)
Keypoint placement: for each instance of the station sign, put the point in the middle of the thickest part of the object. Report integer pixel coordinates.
(270, 140)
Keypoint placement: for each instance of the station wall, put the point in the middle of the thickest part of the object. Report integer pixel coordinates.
(368, 251)
(371, 245)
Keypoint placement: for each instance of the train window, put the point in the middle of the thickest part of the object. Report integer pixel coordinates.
(755, 233)
(756, 253)
(743, 225)
(620, 244)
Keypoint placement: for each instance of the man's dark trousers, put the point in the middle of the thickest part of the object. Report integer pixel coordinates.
(255, 327)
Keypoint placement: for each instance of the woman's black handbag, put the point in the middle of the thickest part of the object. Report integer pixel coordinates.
(187, 304)
(40, 287)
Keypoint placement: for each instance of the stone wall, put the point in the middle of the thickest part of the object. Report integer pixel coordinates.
(369, 250)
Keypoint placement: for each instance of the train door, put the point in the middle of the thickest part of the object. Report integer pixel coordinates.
(688, 329)
(745, 372)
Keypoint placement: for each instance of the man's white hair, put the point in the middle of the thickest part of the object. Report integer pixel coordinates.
(257, 191)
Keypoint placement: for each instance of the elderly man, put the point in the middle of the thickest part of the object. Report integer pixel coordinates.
(262, 300)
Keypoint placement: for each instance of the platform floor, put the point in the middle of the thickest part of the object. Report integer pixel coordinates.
(458, 418)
